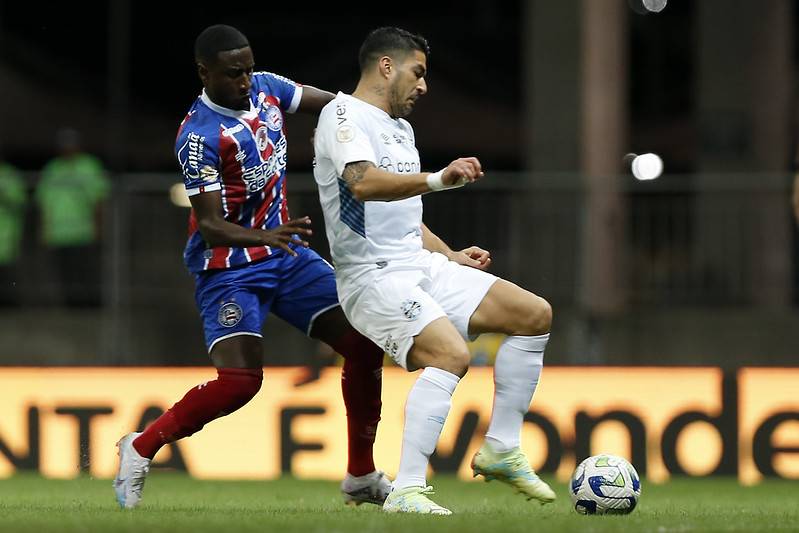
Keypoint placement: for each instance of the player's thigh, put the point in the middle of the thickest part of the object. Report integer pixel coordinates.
(308, 293)
(232, 316)
(459, 290)
(510, 309)
(390, 310)
(439, 345)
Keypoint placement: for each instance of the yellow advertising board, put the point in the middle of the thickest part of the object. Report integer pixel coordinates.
(694, 421)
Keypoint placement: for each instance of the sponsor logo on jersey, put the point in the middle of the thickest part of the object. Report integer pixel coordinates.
(411, 309)
(399, 167)
(274, 118)
(194, 147)
(386, 164)
(209, 173)
(229, 314)
(255, 177)
(230, 132)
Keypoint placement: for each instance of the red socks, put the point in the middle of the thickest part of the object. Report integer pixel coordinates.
(361, 384)
(233, 388)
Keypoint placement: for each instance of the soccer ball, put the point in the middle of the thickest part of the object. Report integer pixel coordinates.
(605, 484)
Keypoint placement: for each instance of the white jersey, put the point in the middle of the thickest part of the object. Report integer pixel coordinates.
(371, 232)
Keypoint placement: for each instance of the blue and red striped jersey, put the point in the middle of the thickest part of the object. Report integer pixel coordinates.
(242, 154)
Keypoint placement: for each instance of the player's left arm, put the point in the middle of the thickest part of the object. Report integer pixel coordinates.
(473, 256)
(313, 100)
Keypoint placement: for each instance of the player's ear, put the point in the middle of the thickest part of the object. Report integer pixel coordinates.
(202, 71)
(385, 65)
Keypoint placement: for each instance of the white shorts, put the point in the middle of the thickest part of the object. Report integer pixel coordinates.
(392, 305)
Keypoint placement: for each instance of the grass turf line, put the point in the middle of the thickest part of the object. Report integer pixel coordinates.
(176, 503)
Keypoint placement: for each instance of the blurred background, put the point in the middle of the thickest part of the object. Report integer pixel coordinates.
(697, 267)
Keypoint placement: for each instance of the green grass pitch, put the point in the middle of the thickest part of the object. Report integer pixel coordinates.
(177, 503)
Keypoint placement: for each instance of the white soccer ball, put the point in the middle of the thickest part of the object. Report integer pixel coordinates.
(605, 484)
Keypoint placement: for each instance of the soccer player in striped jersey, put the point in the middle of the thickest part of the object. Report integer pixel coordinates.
(249, 258)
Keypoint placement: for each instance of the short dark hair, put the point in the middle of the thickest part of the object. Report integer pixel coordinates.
(218, 38)
(383, 41)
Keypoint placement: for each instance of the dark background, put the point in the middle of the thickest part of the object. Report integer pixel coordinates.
(475, 60)
(704, 257)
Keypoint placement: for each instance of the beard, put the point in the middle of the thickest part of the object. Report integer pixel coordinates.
(399, 105)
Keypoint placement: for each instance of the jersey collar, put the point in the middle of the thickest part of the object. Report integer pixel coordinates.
(367, 105)
(234, 113)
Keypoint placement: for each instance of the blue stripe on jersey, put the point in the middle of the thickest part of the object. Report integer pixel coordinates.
(351, 210)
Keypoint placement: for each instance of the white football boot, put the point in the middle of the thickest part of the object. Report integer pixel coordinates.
(132, 472)
(414, 500)
(369, 488)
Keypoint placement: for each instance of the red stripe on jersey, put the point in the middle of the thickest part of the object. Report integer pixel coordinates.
(234, 190)
(193, 226)
(257, 252)
(183, 124)
(284, 205)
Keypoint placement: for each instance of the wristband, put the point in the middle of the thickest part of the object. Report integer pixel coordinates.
(436, 184)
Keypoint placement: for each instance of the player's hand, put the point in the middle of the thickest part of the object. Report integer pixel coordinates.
(283, 235)
(462, 171)
(472, 256)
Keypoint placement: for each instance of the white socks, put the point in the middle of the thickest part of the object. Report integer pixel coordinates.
(425, 413)
(516, 373)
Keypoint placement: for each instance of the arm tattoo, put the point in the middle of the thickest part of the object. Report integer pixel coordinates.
(353, 172)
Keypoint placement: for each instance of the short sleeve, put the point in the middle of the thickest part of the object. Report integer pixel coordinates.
(345, 143)
(199, 163)
(288, 92)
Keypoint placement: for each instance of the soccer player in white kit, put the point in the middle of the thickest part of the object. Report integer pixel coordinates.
(404, 288)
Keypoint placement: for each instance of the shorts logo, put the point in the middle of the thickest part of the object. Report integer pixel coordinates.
(274, 118)
(390, 347)
(411, 309)
(229, 314)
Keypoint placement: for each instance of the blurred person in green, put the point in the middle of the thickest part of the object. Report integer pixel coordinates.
(13, 198)
(70, 194)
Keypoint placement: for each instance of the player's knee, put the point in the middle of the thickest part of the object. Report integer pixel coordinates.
(241, 385)
(538, 317)
(455, 361)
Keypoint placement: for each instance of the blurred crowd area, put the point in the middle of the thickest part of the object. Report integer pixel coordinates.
(697, 267)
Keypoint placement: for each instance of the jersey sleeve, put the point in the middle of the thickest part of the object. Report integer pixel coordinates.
(288, 92)
(344, 141)
(199, 163)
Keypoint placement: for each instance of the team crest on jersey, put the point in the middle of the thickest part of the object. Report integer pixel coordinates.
(229, 314)
(274, 118)
(261, 139)
(411, 309)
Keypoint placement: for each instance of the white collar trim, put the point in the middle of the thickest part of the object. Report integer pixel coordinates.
(234, 113)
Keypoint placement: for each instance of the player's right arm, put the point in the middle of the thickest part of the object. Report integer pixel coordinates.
(369, 183)
(217, 231)
(341, 138)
